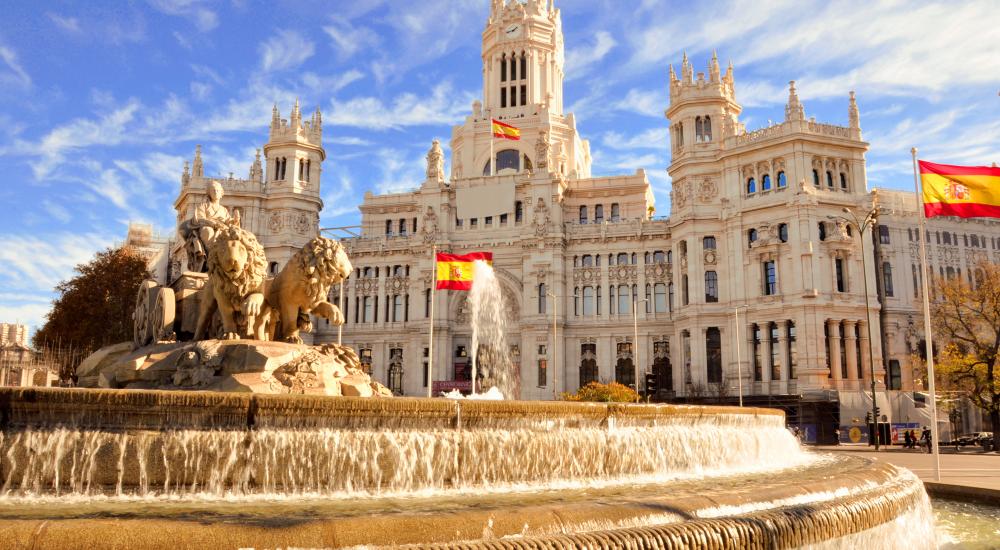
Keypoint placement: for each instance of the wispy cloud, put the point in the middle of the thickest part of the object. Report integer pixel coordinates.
(11, 71)
(205, 19)
(645, 102)
(287, 49)
(348, 38)
(68, 24)
(443, 106)
(653, 138)
(580, 59)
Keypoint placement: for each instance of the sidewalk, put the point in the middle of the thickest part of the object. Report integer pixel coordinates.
(964, 469)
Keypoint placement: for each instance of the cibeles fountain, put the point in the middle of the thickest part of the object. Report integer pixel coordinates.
(218, 428)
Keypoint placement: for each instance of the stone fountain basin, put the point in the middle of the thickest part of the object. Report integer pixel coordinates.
(771, 507)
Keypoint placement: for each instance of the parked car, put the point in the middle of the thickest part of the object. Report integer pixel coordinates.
(967, 439)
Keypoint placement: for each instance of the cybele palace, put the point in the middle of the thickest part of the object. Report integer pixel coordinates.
(754, 280)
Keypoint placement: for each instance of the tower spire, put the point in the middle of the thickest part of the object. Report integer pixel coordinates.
(713, 68)
(794, 111)
(687, 72)
(197, 170)
(296, 116)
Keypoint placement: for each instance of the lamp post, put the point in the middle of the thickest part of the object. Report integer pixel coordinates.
(863, 225)
(739, 358)
(635, 333)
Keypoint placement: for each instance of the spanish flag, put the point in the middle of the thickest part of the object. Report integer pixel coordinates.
(505, 131)
(454, 271)
(963, 191)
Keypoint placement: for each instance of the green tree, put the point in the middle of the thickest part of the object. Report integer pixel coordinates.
(94, 308)
(967, 332)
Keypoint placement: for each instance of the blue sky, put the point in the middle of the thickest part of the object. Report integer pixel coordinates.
(101, 102)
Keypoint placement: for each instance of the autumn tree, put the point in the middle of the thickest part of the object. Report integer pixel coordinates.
(966, 321)
(94, 308)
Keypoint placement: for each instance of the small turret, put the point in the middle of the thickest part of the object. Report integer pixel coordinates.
(713, 68)
(687, 72)
(296, 117)
(197, 169)
(853, 116)
(186, 175)
(256, 169)
(794, 111)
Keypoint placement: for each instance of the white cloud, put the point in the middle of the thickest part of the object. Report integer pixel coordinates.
(348, 39)
(347, 140)
(443, 106)
(56, 211)
(200, 90)
(14, 74)
(579, 59)
(653, 138)
(204, 18)
(331, 83)
(645, 102)
(34, 263)
(399, 173)
(68, 24)
(286, 50)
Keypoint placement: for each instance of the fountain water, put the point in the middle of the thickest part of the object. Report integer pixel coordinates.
(488, 317)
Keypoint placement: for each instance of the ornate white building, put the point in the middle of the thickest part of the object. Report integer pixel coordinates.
(755, 233)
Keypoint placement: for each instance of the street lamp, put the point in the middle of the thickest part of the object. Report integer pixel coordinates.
(863, 225)
(635, 332)
(739, 358)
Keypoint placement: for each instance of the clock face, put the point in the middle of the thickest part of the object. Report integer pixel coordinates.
(512, 31)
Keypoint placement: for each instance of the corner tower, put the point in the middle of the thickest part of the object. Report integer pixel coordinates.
(294, 152)
(702, 111)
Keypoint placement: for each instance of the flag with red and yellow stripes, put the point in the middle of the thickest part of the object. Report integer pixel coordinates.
(963, 191)
(455, 271)
(505, 131)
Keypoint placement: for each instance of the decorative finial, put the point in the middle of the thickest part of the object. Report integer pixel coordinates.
(853, 115)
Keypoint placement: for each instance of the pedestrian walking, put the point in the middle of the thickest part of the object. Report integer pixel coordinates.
(926, 436)
(906, 439)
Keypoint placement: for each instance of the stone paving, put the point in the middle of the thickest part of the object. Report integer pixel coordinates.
(969, 467)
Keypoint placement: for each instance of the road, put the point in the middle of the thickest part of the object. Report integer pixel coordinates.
(969, 468)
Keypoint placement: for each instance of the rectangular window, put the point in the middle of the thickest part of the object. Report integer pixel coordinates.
(543, 369)
(770, 278)
(684, 290)
(503, 70)
(524, 94)
(711, 287)
(758, 372)
(427, 369)
(367, 318)
(623, 300)
(839, 271)
(883, 234)
(513, 96)
(488, 221)
(458, 222)
(775, 350)
(713, 352)
(524, 68)
(503, 219)
(474, 222)
(365, 355)
(503, 97)
(792, 352)
(887, 278)
(397, 308)
(660, 298)
(895, 375)
(518, 211)
(588, 301)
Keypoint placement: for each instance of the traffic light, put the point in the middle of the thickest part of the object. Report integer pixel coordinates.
(877, 412)
(652, 384)
(868, 417)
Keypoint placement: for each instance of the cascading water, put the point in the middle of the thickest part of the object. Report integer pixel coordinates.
(488, 317)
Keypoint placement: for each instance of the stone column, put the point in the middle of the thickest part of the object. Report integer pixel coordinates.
(765, 358)
(751, 364)
(833, 337)
(783, 358)
(851, 348)
(865, 355)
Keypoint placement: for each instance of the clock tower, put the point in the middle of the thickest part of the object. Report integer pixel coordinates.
(523, 87)
(523, 57)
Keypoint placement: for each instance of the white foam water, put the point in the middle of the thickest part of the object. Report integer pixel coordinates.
(488, 318)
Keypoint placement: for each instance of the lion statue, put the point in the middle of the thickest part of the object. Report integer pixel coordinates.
(236, 272)
(302, 287)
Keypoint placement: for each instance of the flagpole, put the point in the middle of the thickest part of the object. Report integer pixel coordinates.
(493, 167)
(430, 343)
(928, 335)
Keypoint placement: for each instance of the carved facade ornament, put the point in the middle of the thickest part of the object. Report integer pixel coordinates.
(710, 257)
(707, 190)
(541, 221)
(658, 272)
(679, 194)
(587, 275)
(302, 223)
(542, 150)
(274, 222)
(429, 226)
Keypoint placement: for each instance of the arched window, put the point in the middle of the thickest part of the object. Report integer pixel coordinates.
(751, 237)
(615, 213)
(765, 183)
(706, 130)
(503, 70)
(524, 66)
(887, 278)
(633, 258)
(822, 231)
(782, 180)
(622, 259)
(843, 181)
(659, 257)
(751, 186)
(273, 268)
(588, 260)
(518, 212)
(783, 232)
(713, 353)
(711, 287)
(829, 178)
(670, 256)
(816, 178)
(583, 214)
(508, 158)
(388, 228)
(599, 213)
(646, 258)
(542, 299)
(302, 169)
(402, 227)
